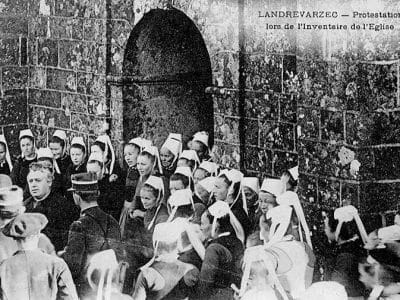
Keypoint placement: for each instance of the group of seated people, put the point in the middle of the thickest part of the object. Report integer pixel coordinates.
(172, 224)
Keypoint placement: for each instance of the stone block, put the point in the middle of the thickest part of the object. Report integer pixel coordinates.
(82, 9)
(225, 68)
(49, 117)
(282, 161)
(308, 189)
(220, 38)
(87, 124)
(74, 103)
(13, 107)
(258, 160)
(366, 158)
(251, 132)
(36, 7)
(14, 7)
(38, 27)
(377, 86)
(308, 158)
(254, 39)
(308, 122)
(227, 155)
(13, 26)
(262, 105)
(32, 51)
(94, 30)
(290, 82)
(45, 98)
(90, 84)
(61, 80)
(329, 193)
(98, 106)
(379, 197)
(332, 127)
(226, 129)
(120, 32)
(47, 52)
(277, 136)
(9, 49)
(14, 77)
(123, 9)
(288, 108)
(37, 77)
(264, 72)
(117, 59)
(226, 103)
(314, 77)
(66, 28)
(386, 164)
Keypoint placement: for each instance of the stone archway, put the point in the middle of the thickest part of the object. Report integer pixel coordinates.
(165, 73)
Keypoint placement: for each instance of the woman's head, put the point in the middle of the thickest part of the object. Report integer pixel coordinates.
(178, 182)
(184, 162)
(131, 153)
(27, 146)
(200, 174)
(145, 164)
(200, 148)
(266, 201)
(57, 146)
(347, 231)
(167, 157)
(99, 147)
(251, 196)
(3, 151)
(77, 153)
(149, 195)
(221, 188)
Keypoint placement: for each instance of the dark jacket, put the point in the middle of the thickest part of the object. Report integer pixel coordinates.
(93, 232)
(35, 275)
(5, 168)
(111, 198)
(63, 163)
(20, 171)
(60, 213)
(221, 266)
(345, 269)
(131, 181)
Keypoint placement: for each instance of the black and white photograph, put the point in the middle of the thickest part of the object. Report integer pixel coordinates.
(199, 149)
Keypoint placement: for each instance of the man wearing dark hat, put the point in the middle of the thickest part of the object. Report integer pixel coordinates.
(60, 212)
(11, 205)
(30, 273)
(93, 232)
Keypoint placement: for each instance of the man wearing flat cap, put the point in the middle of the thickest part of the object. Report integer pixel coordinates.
(30, 273)
(11, 205)
(93, 232)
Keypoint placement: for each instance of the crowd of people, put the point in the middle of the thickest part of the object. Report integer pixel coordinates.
(172, 224)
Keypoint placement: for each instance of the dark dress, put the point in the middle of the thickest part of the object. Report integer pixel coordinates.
(220, 268)
(93, 232)
(60, 214)
(111, 198)
(5, 168)
(20, 171)
(63, 163)
(243, 218)
(345, 268)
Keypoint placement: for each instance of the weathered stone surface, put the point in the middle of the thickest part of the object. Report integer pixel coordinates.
(11, 132)
(91, 84)
(226, 129)
(228, 155)
(350, 194)
(94, 30)
(86, 123)
(252, 132)
(13, 107)
(41, 135)
(35, 7)
(379, 197)
(47, 52)
(87, 9)
(74, 103)
(329, 193)
(225, 67)
(12, 26)
(123, 9)
(288, 107)
(258, 160)
(9, 49)
(283, 161)
(38, 27)
(264, 72)
(49, 117)
(61, 80)
(308, 189)
(37, 77)
(14, 77)
(262, 105)
(313, 75)
(308, 120)
(45, 98)
(332, 127)
(14, 7)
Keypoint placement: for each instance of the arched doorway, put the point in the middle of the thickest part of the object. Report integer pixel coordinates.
(165, 73)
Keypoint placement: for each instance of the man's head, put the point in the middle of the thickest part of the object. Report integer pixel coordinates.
(85, 188)
(39, 180)
(11, 198)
